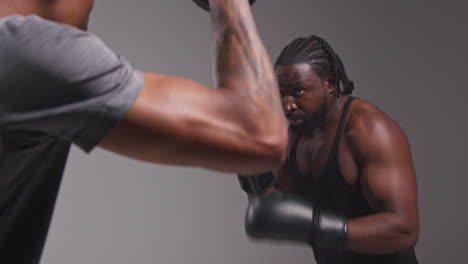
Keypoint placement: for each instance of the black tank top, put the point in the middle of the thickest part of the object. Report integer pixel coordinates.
(331, 192)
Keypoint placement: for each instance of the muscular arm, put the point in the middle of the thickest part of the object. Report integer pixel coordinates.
(281, 177)
(388, 182)
(238, 127)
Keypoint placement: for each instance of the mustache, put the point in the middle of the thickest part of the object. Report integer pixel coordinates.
(295, 116)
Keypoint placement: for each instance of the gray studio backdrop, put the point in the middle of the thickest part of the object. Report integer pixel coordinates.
(409, 57)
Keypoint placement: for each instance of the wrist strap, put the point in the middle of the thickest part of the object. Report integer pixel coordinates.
(329, 230)
(256, 184)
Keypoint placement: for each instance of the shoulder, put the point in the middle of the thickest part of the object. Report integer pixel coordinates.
(366, 117)
(370, 130)
(31, 27)
(35, 44)
(30, 36)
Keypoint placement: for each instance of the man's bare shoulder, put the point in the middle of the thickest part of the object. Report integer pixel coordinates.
(369, 127)
(365, 115)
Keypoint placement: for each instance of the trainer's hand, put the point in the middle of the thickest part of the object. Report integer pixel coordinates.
(286, 217)
(205, 4)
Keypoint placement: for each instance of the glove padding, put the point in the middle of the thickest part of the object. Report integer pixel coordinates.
(205, 4)
(256, 185)
(286, 217)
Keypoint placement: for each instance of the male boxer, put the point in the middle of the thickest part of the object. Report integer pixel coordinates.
(348, 186)
(60, 85)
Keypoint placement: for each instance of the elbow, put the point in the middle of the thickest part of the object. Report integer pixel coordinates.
(408, 235)
(409, 240)
(267, 150)
(265, 132)
(405, 243)
(277, 150)
(275, 145)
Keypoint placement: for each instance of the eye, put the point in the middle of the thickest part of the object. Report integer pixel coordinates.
(299, 91)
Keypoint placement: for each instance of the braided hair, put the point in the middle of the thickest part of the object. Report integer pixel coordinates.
(318, 53)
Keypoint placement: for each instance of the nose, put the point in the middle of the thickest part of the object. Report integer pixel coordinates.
(289, 104)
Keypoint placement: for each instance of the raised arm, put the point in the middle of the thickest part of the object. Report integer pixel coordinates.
(238, 127)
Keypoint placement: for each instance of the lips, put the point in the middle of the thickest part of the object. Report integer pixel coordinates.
(295, 120)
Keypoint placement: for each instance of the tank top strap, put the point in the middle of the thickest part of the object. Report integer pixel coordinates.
(333, 156)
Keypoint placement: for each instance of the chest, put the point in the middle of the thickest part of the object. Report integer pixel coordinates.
(312, 156)
(320, 158)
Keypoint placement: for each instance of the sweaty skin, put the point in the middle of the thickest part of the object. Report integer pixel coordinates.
(374, 157)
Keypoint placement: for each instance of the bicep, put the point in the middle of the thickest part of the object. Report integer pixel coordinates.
(181, 122)
(387, 177)
(389, 187)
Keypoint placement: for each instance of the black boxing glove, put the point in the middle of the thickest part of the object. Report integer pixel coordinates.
(286, 217)
(256, 185)
(205, 4)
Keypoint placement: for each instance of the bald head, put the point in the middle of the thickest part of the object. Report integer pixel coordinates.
(71, 12)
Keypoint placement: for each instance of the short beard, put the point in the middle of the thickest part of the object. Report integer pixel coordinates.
(316, 121)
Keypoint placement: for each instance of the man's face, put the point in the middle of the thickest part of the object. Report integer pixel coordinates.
(303, 93)
(73, 12)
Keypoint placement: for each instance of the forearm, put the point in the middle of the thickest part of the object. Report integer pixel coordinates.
(381, 233)
(242, 64)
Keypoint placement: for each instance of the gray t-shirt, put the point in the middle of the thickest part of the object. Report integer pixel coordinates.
(58, 86)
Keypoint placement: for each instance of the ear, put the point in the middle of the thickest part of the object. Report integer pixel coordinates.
(330, 84)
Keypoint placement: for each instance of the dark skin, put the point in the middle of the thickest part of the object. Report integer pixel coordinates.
(374, 155)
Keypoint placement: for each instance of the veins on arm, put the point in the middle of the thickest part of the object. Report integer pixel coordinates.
(242, 63)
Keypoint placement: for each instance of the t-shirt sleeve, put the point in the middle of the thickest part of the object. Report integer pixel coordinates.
(63, 81)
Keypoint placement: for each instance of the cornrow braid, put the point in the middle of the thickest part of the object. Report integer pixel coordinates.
(319, 54)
